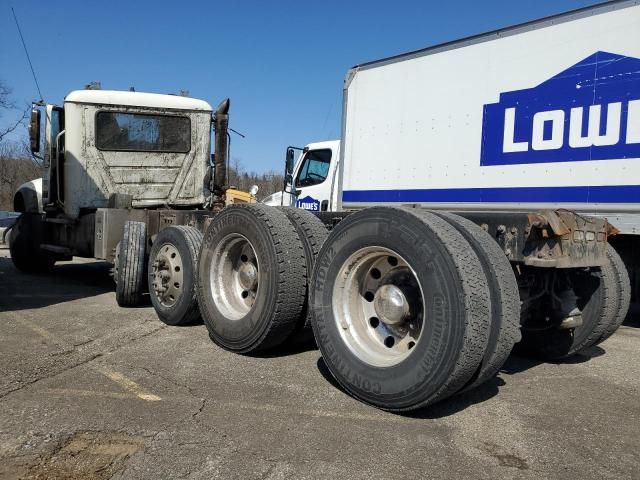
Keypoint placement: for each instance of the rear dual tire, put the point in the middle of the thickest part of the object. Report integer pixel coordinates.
(251, 283)
(312, 234)
(603, 296)
(504, 330)
(440, 268)
(622, 291)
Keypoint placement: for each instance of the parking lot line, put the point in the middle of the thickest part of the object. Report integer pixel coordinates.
(114, 376)
(128, 384)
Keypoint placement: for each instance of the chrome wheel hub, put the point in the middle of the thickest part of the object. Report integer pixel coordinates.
(248, 275)
(167, 275)
(390, 304)
(378, 304)
(234, 276)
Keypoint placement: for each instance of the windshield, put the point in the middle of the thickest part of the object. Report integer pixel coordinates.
(315, 168)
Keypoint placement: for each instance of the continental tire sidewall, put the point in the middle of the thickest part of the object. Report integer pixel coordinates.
(242, 334)
(431, 363)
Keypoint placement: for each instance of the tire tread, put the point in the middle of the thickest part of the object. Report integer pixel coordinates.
(477, 305)
(131, 264)
(505, 298)
(312, 233)
(623, 287)
(290, 292)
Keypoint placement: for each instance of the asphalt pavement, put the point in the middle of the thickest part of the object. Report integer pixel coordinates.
(90, 390)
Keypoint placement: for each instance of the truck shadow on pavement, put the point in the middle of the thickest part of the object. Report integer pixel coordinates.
(633, 317)
(448, 407)
(299, 343)
(67, 282)
(519, 363)
(515, 364)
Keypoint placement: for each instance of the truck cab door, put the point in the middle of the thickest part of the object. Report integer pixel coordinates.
(313, 180)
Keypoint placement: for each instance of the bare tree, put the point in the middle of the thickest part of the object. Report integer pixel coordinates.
(4, 95)
(16, 168)
(17, 165)
(268, 182)
(7, 105)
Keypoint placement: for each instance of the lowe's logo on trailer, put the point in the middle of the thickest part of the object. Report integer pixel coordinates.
(308, 203)
(591, 111)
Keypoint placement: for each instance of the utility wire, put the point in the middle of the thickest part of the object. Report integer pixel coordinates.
(28, 57)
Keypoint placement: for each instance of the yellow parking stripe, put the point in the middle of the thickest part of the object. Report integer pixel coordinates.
(128, 384)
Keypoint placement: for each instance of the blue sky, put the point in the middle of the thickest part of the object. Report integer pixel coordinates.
(282, 63)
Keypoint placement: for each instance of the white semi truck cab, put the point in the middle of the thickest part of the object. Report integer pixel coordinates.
(111, 157)
(310, 183)
(151, 147)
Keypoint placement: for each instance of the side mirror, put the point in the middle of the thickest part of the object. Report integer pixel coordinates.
(34, 130)
(289, 162)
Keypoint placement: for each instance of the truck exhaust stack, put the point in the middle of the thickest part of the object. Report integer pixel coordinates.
(221, 126)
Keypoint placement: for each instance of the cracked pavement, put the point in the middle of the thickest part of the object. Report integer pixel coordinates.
(91, 390)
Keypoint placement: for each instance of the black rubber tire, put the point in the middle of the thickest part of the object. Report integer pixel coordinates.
(623, 294)
(312, 233)
(131, 264)
(282, 288)
(598, 300)
(454, 285)
(187, 240)
(24, 245)
(504, 331)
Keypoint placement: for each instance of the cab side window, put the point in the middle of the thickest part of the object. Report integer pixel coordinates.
(315, 168)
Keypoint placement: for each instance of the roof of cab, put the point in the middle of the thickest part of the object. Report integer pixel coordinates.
(136, 99)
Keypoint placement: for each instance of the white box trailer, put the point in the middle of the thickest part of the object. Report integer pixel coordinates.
(542, 115)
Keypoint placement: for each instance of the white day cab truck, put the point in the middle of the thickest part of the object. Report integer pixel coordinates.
(465, 209)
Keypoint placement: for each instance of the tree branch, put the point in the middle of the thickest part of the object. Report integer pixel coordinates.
(15, 125)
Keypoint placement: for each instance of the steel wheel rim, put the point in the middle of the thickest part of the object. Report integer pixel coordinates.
(167, 275)
(234, 276)
(378, 305)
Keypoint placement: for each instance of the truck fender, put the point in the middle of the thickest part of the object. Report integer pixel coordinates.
(28, 197)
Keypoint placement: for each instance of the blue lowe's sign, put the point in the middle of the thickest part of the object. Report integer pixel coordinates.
(591, 111)
(308, 203)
